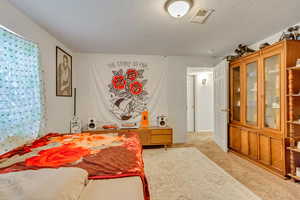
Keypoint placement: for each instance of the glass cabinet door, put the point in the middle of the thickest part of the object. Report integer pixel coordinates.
(236, 96)
(272, 92)
(251, 103)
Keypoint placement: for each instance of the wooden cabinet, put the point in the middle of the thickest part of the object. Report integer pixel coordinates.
(258, 119)
(148, 136)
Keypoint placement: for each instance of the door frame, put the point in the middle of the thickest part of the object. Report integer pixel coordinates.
(193, 71)
(194, 102)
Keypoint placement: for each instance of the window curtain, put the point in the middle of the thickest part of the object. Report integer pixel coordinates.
(21, 99)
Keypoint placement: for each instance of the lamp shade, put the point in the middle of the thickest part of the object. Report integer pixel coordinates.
(178, 8)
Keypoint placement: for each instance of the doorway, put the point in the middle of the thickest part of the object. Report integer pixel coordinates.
(200, 100)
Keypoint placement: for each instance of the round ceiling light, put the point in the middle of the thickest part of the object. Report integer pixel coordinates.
(178, 8)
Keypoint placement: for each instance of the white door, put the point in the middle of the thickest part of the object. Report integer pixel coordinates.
(221, 114)
(190, 104)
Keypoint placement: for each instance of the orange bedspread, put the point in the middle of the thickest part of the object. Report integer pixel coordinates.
(103, 156)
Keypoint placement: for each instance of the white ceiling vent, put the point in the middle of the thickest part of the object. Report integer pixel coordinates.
(201, 16)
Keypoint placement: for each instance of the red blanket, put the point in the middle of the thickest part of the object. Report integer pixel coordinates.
(103, 156)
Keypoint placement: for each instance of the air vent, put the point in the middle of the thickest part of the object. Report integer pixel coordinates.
(201, 16)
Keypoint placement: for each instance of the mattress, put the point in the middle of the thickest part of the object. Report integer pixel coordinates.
(127, 188)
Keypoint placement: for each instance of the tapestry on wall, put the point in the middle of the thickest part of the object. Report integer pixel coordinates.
(128, 95)
(116, 89)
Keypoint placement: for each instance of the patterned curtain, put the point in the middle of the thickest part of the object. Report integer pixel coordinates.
(21, 99)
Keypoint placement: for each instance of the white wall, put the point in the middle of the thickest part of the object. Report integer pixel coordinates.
(58, 109)
(177, 91)
(204, 103)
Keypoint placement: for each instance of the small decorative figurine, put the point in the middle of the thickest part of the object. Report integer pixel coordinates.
(240, 51)
(230, 57)
(292, 33)
(144, 119)
(243, 50)
(263, 45)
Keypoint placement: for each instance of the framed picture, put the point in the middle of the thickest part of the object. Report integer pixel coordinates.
(63, 73)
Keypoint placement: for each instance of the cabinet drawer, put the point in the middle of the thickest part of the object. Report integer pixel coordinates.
(161, 132)
(161, 139)
(145, 138)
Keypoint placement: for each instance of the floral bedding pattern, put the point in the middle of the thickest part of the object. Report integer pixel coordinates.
(103, 156)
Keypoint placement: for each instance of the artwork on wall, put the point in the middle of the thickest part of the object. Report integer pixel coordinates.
(63, 73)
(128, 94)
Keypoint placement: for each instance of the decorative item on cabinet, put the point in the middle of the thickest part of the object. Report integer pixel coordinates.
(264, 45)
(243, 50)
(144, 119)
(240, 51)
(292, 33)
(162, 121)
(231, 57)
(128, 125)
(92, 124)
(110, 126)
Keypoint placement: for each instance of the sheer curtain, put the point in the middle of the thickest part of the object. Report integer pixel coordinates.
(21, 99)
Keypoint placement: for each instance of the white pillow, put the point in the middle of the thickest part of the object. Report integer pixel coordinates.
(44, 184)
(127, 188)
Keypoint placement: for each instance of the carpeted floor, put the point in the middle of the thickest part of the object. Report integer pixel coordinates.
(264, 184)
(187, 174)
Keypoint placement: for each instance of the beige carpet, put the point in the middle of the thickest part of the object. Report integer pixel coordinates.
(261, 182)
(187, 174)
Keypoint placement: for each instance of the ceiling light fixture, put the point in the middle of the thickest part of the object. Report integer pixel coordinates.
(178, 8)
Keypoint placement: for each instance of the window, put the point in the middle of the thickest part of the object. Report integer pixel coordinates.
(20, 87)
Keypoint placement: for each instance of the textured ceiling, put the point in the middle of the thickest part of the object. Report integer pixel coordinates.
(143, 27)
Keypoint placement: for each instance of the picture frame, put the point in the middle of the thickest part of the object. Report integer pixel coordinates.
(63, 73)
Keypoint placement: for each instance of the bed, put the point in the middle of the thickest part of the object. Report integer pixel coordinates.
(75, 166)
